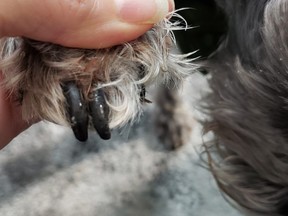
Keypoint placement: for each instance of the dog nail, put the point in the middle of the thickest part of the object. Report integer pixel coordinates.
(99, 112)
(76, 111)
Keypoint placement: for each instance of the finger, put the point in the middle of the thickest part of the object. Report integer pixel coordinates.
(11, 122)
(81, 23)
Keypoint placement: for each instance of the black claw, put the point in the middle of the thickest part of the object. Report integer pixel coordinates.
(142, 93)
(99, 112)
(77, 111)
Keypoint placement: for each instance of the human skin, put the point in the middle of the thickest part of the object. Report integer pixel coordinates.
(72, 23)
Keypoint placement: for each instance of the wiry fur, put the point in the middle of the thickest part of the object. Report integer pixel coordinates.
(248, 106)
(36, 70)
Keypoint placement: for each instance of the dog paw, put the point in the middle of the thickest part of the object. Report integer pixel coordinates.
(83, 88)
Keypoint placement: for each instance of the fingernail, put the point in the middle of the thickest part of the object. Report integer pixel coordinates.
(142, 11)
(171, 5)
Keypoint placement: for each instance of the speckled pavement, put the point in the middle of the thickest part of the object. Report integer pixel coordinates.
(45, 172)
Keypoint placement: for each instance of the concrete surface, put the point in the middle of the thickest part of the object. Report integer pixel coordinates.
(45, 172)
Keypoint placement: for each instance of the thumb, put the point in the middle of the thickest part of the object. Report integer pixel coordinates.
(81, 23)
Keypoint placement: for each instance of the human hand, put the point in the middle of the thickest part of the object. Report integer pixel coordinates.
(72, 23)
(81, 23)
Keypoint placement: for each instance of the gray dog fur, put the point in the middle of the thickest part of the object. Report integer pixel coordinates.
(248, 107)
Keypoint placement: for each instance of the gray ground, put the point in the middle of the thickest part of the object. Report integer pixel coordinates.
(46, 172)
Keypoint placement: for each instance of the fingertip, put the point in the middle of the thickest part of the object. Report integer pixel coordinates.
(139, 11)
(171, 5)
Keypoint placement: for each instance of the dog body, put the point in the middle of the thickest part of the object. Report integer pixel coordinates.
(248, 106)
